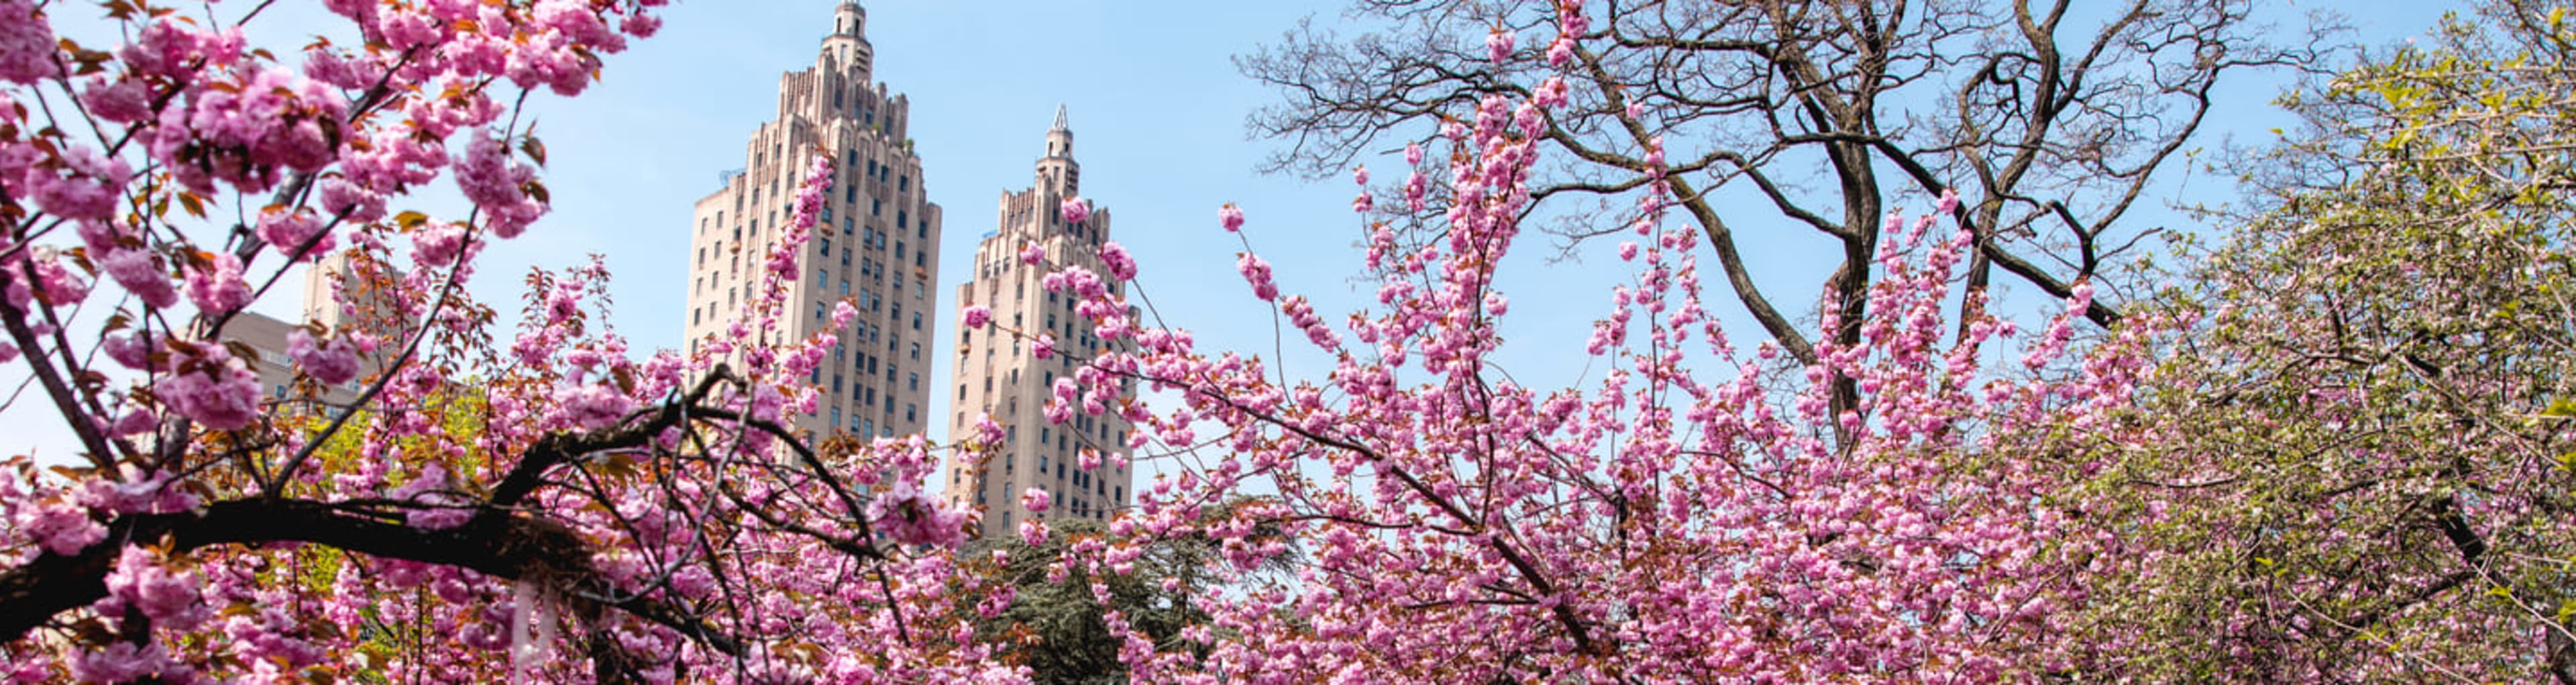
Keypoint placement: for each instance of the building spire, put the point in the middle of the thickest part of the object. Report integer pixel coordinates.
(1060, 137)
(1057, 169)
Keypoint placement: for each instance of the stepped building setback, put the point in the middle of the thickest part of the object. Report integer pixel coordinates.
(875, 245)
(997, 373)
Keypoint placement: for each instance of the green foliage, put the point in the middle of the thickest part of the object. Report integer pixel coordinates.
(1053, 623)
(1054, 626)
(2366, 476)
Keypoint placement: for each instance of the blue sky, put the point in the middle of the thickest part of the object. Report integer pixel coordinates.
(1155, 102)
(1158, 111)
(1156, 107)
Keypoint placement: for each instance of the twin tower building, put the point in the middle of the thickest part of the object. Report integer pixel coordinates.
(877, 247)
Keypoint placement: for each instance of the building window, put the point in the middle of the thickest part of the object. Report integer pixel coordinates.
(903, 183)
(961, 394)
(916, 321)
(898, 253)
(902, 220)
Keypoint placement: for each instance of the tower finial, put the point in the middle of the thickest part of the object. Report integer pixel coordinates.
(849, 19)
(1060, 124)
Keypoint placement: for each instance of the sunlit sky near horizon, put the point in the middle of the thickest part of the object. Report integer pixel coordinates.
(1158, 109)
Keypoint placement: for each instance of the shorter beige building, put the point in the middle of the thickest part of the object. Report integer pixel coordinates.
(998, 374)
(326, 304)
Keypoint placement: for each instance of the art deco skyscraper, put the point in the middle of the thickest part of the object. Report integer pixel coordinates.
(998, 374)
(876, 243)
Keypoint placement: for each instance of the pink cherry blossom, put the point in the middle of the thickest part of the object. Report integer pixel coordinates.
(26, 44)
(143, 582)
(218, 288)
(290, 231)
(332, 362)
(127, 662)
(1257, 272)
(1231, 217)
(593, 407)
(141, 274)
(1114, 257)
(913, 518)
(1075, 210)
(59, 527)
(58, 285)
(211, 388)
(498, 186)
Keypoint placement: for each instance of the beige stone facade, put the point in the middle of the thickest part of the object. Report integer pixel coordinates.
(327, 302)
(875, 247)
(997, 374)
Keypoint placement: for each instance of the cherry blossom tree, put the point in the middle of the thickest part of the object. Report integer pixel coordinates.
(550, 506)
(1701, 512)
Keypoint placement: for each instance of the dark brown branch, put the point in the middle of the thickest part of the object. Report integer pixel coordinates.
(514, 548)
